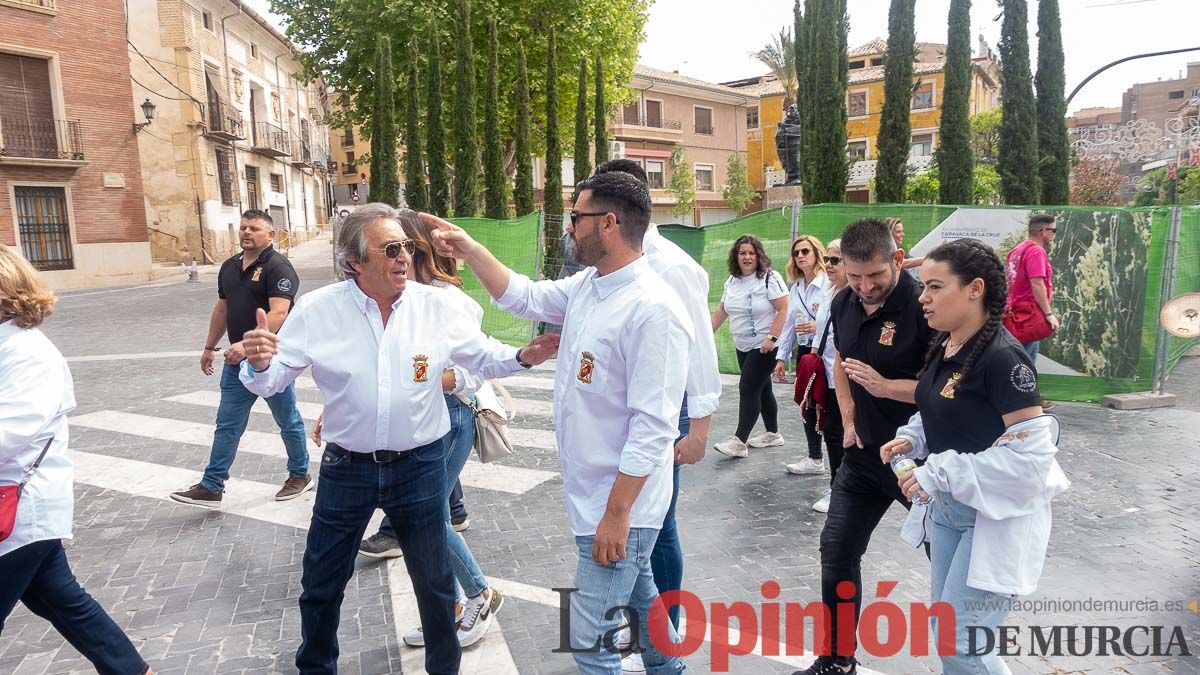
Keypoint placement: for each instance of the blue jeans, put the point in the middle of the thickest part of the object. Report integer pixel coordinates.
(601, 589)
(39, 576)
(411, 491)
(952, 532)
(232, 416)
(1032, 348)
(667, 559)
(458, 441)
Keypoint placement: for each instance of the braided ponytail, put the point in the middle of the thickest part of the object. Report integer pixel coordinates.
(971, 259)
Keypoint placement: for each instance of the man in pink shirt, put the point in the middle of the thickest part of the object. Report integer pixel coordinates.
(1030, 277)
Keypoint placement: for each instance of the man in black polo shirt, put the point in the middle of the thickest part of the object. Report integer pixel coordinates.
(881, 337)
(258, 277)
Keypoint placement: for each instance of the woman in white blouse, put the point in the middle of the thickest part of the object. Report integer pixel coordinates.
(36, 393)
(755, 302)
(809, 294)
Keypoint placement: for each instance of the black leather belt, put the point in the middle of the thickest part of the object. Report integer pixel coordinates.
(375, 457)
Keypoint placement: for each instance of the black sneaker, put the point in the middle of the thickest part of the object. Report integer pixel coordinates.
(379, 545)
(198, 495)
(460, 523)
(831, 665)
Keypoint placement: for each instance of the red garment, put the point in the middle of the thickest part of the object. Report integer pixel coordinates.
(811, 387)
(1027, 261)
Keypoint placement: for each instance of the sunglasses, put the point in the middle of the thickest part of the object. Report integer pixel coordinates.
(392, 249)
(801, 251)
(1050, 229)
(576, 215)
(833, 260)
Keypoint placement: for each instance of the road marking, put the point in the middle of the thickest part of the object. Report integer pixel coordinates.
(514, 381)
(496, 477)
(132, 357)
(311, 411)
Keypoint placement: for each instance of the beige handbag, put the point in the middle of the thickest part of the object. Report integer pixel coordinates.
(492, 415)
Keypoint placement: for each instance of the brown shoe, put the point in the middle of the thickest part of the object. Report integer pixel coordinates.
(294, 487)
(1048, 405)
(198, 495)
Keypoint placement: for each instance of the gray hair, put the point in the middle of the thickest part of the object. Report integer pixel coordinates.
(351, 246)
(836, 243)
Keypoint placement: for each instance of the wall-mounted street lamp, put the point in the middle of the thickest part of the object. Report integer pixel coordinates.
(148, 111)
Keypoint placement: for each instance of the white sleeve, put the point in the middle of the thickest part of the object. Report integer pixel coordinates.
(655, 383)
(787, 337)
(703, 375)
(476, 352)
(914, 433)
(31, 395)
(291, 359)
(776, 288)
(541, 301)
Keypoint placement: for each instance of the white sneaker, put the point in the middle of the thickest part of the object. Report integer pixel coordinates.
(624, 639)
(632, 665)
(807, 466)
(491, 602)
(475, 621)
(732, 447)
(766, 439)
(822, 504)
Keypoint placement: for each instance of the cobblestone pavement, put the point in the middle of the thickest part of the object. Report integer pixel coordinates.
(216, 592)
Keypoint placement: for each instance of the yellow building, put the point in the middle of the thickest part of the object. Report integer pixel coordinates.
(864, 103)
(346, 147)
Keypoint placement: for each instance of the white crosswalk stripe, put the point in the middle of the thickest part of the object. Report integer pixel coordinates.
(311, 411)
(497, 477)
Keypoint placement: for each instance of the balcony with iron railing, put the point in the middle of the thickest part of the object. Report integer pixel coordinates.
(225, 122)
(44, 141)
(646, 128)
(302, 156)
(270, 140)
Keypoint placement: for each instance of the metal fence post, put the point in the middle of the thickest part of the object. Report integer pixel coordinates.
(537, 261)
(795, 221)
(1162, 341)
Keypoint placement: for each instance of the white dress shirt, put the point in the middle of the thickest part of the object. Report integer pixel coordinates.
(824, 321)
(36, 393)
(690, 282)
(466, 383)
(622, 366)
(747, 301)
(382, 385)
(805, 301)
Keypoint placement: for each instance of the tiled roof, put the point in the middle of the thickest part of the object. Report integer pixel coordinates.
(879, 46)
(860, 76)
(656, 75)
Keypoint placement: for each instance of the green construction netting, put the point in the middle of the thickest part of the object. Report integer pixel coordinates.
(1108, 262)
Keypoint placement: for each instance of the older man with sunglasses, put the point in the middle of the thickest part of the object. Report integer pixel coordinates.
(377, 345)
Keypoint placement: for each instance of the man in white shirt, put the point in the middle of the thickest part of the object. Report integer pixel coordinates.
(377, 346)
(618, 385)
(703, 390)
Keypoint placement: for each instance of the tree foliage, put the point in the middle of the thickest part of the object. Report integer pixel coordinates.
(682, 185)
(552, 203)
(779, 55)
(827, 73)
(385, 171)
(895, 126)
(1053, 146)
(465, 131)
(985, 136)
(416, 195)
(954, 149)
(583, 146)
(1096, 182)
(495, 178)
(435, 132)
(737, 191)
(925, 188)
(523, 188)
(601, 119)
(1018, 153)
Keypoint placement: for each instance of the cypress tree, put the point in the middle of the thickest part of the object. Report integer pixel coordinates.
(955, 163)
(601, 120)
(415, 192)
(552, 202)
(828, 26)
(1018, 160)
(803, 95)
(523, 190)
(439, 182)
(466, 150)
(1053, 145)
(895, 126)
(583, 167)
(385, 171)
(495, 182)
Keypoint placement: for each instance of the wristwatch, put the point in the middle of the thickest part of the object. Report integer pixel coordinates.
(774, 339)
(521, 363)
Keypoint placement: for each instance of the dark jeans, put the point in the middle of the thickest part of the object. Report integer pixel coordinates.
(666, 560)
(412, 492)
(833, 434)
(39, 576)
(755, 395)
(458, 510)
(864, 490)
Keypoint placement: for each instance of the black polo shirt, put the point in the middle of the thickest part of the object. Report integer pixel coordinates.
(893, 341)
(271, 276)
(971, 417)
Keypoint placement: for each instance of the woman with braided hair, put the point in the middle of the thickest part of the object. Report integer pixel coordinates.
(989, 451)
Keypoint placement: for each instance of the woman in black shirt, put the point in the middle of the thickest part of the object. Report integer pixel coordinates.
(991, 495)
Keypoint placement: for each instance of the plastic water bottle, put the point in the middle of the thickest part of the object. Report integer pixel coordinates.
(902, 465)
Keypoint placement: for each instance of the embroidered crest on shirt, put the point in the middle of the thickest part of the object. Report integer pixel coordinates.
(420, 368)
(257, 273)
(948, 390)
(887, 334)
(587, 363)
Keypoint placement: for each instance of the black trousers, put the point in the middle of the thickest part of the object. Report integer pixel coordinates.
(863, 491)
(833, 433)
(755, 396)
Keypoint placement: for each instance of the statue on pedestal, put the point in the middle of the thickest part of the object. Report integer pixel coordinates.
(787, 145)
